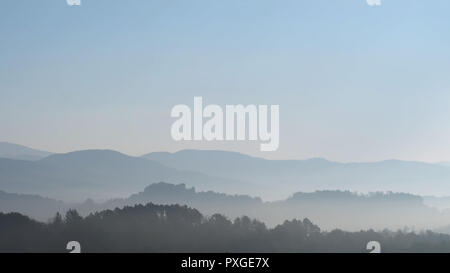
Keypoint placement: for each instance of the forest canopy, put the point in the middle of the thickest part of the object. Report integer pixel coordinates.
(175, 228)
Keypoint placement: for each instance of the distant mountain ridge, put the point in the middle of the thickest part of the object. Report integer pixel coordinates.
(288, 176)
(15, 151)
(99, 174)
(106, 173)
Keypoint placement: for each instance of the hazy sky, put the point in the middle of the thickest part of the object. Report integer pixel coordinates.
(354, 82)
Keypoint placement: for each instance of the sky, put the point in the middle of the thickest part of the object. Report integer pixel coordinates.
(354, 82)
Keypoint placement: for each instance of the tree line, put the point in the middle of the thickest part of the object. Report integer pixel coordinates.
(175, 228)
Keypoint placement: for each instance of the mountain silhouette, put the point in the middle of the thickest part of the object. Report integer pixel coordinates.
(98, 174)
(15, 151)
(288, 176)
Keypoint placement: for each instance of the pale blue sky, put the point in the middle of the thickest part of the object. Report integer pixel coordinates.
(354, 82)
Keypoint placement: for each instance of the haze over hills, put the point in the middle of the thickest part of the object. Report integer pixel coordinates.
(15, 151)
(34, 206)
(101, 174)
(98, 174)
(331, 209)
(289, 176)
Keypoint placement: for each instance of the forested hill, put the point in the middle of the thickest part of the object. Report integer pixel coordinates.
(174, 228)
(329, 209)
